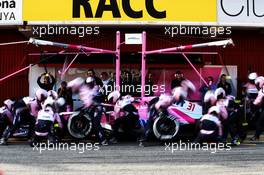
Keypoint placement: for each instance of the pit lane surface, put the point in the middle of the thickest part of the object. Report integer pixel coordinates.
(129, 158)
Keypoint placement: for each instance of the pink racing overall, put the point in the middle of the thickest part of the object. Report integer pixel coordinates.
(45, 124)
(211, 129)
(23, 111)
(92, 101)
(260, 122)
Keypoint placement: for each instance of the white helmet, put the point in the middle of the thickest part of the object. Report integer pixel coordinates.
(27, 100)
(165, 100)
(60, 101)
(76, 83)
(9, 103)
(164, 96)
(49, 101)
(215, 109)
(252, 76)
(179, 92)
(128, 99)
(89, 80)
(209, 97)
(187, 84)
(41, 94)
(53, 94)
(231, 97)
(115, 95)
(259, 81)
(219, 91)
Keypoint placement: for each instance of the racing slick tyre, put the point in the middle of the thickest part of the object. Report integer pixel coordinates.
(80, 125)
(166, 127)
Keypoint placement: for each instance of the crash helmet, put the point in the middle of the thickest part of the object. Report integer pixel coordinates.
(9, 104)
(220, 93)
(179, 93)
(89, 80)
(48, 102)
(60, 102)
(252, 76)
(188, 85)
(214, 109)
(126, 100)
(259, 82)
(164, 96)
(76, 84)
(165, 99)
(209, 97)
(231, 97)
(53, 94)
(41, 94)
(114, 96)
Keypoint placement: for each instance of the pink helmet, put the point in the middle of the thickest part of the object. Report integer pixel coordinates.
(41, 94)
(86, 96)
(259, 99)
(259, 82)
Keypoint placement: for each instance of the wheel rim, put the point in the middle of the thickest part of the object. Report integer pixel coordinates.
(166, 128)
(80, 126)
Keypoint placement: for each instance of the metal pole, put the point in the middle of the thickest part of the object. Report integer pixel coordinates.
(143, 64)
(196, 71)
(223, 43)
(118, 72)
(68, 67)
(11, 43)
(189, 53)
(68, 46)
(21, 70)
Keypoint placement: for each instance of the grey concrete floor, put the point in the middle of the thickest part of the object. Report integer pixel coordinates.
(129, 158)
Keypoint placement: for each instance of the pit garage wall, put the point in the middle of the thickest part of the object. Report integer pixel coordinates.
(248, 54)
(160, 76)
